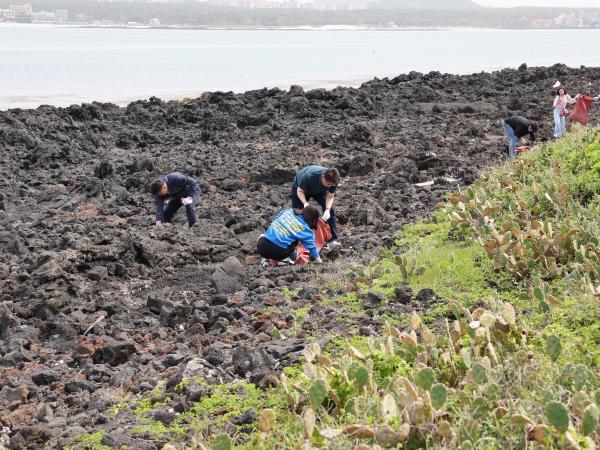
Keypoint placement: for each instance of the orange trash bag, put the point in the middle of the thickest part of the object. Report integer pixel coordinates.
(581, 111)
(322, 235)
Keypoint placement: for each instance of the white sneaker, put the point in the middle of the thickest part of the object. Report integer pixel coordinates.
(287, 262)
(334, 245)
(264, 262)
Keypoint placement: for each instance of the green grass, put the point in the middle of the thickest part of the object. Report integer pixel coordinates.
(91, 441)
(521, 376)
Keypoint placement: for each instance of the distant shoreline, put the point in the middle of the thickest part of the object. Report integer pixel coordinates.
(298, 28)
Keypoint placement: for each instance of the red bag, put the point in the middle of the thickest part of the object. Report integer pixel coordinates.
(581, 110)
(322, 235)
(564, 112)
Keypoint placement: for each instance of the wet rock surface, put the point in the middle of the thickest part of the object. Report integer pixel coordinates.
(95, 298)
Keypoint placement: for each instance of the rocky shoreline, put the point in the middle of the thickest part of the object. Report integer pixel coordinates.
(97, 303)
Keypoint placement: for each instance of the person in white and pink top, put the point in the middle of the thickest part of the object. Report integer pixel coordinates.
(561, 101)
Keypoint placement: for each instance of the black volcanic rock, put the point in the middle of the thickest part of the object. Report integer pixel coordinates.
(94, 296)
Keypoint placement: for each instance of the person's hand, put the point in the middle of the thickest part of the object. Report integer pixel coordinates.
(158, 222)
(306, 204)
(318, 260)
(326, 215)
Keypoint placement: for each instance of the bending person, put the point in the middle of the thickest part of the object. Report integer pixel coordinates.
(515, 127)
(179, 190)
(319, 183)
(289, 227)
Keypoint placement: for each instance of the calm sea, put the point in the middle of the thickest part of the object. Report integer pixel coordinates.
(60, 66)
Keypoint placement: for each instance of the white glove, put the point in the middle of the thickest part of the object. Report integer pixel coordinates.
(187, 200)
(318, 261)
(326, 215)
(306, 204)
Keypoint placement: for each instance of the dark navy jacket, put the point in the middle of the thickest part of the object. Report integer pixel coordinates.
(309, 180)
(180, 186)
(520, 126)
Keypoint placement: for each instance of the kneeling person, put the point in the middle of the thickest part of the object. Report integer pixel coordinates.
(180, 190)
(319, 183)
(290, 226)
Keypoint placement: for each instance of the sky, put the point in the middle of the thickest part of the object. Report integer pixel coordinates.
(549, 3)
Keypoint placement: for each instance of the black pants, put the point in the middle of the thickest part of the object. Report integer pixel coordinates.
(174, 205)
(321, 199)
(268, 250)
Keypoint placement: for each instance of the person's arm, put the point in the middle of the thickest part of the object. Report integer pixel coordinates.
(329, 200)
(572, 100)
(307, 237)
(556, 100)
(301, 196)
(160, 209)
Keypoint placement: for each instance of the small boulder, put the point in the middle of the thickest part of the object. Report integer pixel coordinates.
(213, 355)
(44, 376)
(97, 273)
(374, 299)
(229, 277)
(246, 359)
(426, 295)
(403, 294)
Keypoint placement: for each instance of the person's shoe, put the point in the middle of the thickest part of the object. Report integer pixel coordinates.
(287, 262)
(258, 238)
(264, 262)
(334, 245)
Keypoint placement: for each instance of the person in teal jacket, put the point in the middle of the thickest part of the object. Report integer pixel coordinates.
(290, 227)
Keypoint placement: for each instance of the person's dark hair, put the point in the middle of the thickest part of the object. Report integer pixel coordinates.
(310, 214)
(534, 126)
(332, 175)
(156, 186)
(559, 89)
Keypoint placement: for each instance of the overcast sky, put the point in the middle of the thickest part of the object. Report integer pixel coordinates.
(564, 3)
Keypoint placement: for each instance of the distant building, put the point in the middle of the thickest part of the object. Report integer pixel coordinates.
(78, 19)
(23, 13)
(62, 15)
(44, 17)
(154, 23)
(7, 15)
(543, 23)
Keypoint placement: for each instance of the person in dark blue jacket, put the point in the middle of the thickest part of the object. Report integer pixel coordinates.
(290, 227)
(180, 190)
(319, 183)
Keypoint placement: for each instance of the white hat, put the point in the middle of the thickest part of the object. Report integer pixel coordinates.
(557, 84)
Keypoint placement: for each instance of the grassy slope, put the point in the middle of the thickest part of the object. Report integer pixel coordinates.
(484, 375)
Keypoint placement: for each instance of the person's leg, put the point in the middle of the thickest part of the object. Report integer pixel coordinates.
(190, 210)
(269, 250)
(558, 128)
(171, 209)
(512, 139)
(563, 124)
(332, 221)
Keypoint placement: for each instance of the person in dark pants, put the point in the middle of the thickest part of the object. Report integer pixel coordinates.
(180, 190)
(290, 227)
(319, 183)
(515, 127)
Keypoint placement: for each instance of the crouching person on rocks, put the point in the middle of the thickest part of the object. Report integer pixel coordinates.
(179, 190)
(516, 127)
(289, 227)
(319, 183)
